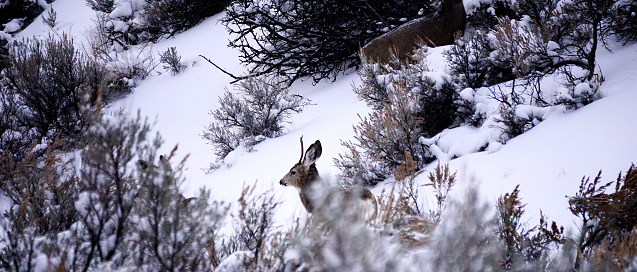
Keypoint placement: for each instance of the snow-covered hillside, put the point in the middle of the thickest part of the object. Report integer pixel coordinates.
(548, 162)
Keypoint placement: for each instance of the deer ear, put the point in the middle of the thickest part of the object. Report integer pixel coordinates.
(313, 153)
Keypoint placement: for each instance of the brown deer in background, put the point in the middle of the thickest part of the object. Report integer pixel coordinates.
(304, 174)
(434, 30)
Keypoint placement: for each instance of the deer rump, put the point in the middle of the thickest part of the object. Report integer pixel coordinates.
(434, 30)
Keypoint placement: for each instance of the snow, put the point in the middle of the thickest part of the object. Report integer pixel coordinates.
(125, 9)
(13, 26)
(547, 162)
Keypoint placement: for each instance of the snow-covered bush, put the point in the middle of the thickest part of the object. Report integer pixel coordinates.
(41, 190)
(255, 244)
(169, 17)
(409, 103)
(624, 20)
(259, 109)
(385, 138)
(464, 239)
(56, 85)
(14, 16)
(108, 185)
(135, 22)
(317, 38)
(338, 239)
(470, 63)
(171, 232)
(105, 6)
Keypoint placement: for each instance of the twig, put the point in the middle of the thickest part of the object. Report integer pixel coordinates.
(236, 78)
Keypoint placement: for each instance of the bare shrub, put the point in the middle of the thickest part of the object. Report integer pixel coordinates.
(172, 61)
(317, 39)
(607, 216)
(522, 244)
(57, 86)
(441, 180)
(51, 18)
(168, 17)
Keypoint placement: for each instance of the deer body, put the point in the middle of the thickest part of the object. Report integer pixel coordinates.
(434, 30)
(304, 174)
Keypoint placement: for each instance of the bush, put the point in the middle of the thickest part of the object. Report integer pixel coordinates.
(408, 104)
(55, 86)
(139, 22)
(470, 62)
(338, 239)
(314, 38)
(172, 61)
(385, 137)
(105, 6)
(173, 233)
(256, 245)
(608, 217)
(108, 186)
(169, 17)
(624, 21)
(41, 191)
(261, 110)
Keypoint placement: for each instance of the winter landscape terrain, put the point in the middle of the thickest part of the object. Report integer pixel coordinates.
(548, 162)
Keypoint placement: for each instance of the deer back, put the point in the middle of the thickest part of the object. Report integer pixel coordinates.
(434, 30)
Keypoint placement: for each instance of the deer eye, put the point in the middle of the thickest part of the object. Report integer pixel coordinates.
(293, 172)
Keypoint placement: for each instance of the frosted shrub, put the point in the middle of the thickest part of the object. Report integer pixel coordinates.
(105, 6)
(337, 239)
(108, 185)
(385, 137)
(256, 244)
(470, 63)
(40, 191)
(624, 21)
(171, 232)
(259, 109)
(407, 104)
(464, 240)
(135, 22)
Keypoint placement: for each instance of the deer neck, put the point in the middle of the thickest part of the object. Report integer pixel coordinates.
(307, 181)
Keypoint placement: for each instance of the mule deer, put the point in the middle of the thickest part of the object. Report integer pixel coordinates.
(434, 30)
(304, 174)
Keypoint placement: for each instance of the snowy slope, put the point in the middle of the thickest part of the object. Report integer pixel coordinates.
(548, 162)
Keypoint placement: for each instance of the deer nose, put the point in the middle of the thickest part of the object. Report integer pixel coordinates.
(282, 183)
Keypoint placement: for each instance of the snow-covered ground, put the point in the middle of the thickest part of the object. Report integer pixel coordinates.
(548, 161)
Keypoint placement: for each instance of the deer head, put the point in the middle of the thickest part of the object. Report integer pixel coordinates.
(303, 175)
(304, 172)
